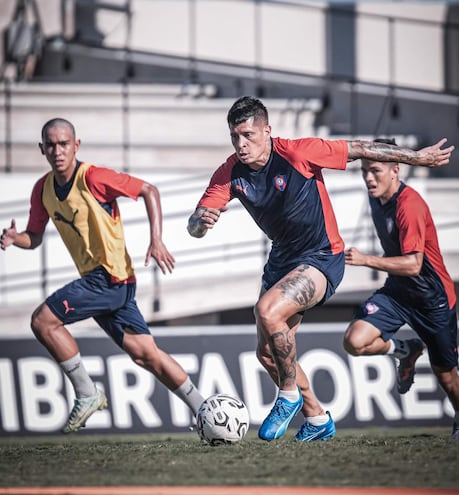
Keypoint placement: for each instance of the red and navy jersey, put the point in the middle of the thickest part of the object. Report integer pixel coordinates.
(404, 225)
(105, 184)
(287, 198)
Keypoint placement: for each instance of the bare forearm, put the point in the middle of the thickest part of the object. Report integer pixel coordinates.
(380, 152)
(430, 156)
(27, 240)
(152, 201)
(403, 266)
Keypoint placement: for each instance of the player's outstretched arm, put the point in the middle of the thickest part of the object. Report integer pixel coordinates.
(25, 240)
(431, 156)
(202, 220)
(156, 249)
(407, 265)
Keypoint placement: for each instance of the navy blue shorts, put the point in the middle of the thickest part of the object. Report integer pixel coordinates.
(331, 265)
(113, 306)
(436, 327)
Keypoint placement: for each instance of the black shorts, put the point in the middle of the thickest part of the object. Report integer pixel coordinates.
(331, 265)
(113, 306)
(437, 327)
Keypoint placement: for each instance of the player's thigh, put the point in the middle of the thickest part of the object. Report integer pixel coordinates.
(299, 290)
(44, 318)
(125, 320)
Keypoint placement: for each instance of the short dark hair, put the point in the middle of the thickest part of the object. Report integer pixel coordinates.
(57, 122)
(246, 107)
(385, 141)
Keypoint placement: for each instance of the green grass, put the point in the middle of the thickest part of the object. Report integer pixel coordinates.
(414, 457)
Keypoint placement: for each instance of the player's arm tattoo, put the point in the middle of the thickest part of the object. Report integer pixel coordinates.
(382, 152)
(195, 225)
(284, 354)
(299, 288)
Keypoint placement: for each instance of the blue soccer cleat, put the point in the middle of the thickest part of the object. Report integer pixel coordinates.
(310, 433)
(277, 421)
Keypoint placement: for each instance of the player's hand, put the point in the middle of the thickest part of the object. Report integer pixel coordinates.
(434, 156)
(353, 256)
(161, 255)
(8, 235)
(210, 216)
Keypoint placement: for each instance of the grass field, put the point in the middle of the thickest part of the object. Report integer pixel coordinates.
(415, 457)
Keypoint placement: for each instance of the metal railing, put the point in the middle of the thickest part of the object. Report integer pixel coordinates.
(201, 259)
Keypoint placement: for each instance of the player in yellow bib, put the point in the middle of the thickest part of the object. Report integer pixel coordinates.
(80, 199)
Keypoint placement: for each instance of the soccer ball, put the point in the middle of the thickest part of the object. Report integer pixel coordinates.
(222, 419)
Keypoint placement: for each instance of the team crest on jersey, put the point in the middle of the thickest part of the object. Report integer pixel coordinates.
(389, 225)
(280, 181)
(371, 308)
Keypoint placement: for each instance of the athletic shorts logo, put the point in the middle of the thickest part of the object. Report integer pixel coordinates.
(371, 308)
(280, 182)
(67, 306)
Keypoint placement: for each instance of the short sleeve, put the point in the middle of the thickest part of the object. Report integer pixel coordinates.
(38, 216)
(107, 184)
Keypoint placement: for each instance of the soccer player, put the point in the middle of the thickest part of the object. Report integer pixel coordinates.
(80, 198)
(418, 290)
(279, 182)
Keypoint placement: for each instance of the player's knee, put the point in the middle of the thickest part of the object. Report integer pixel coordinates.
(38, 323)
(353, 344)
(447, 378)
(265, 314)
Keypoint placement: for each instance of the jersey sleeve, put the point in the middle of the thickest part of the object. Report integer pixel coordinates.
(411, 217)
(307, 153)
(106, 184)
(218, 192)
(38, 216)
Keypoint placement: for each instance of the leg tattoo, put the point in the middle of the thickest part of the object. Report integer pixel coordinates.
(299, 288)
(284, 355)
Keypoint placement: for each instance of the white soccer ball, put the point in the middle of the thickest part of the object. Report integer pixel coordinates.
(222, 419)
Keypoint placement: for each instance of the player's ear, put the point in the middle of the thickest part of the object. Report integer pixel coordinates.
(40, 145)
(77, 144)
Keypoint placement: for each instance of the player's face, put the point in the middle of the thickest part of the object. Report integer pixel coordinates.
(252, 142)
(381, 179)
(60, 148)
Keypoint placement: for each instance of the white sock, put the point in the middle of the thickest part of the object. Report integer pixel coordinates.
(190, 395)
(391, 348)
(77, 374)
(290, 395)
(318, 420)
(400, 350)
